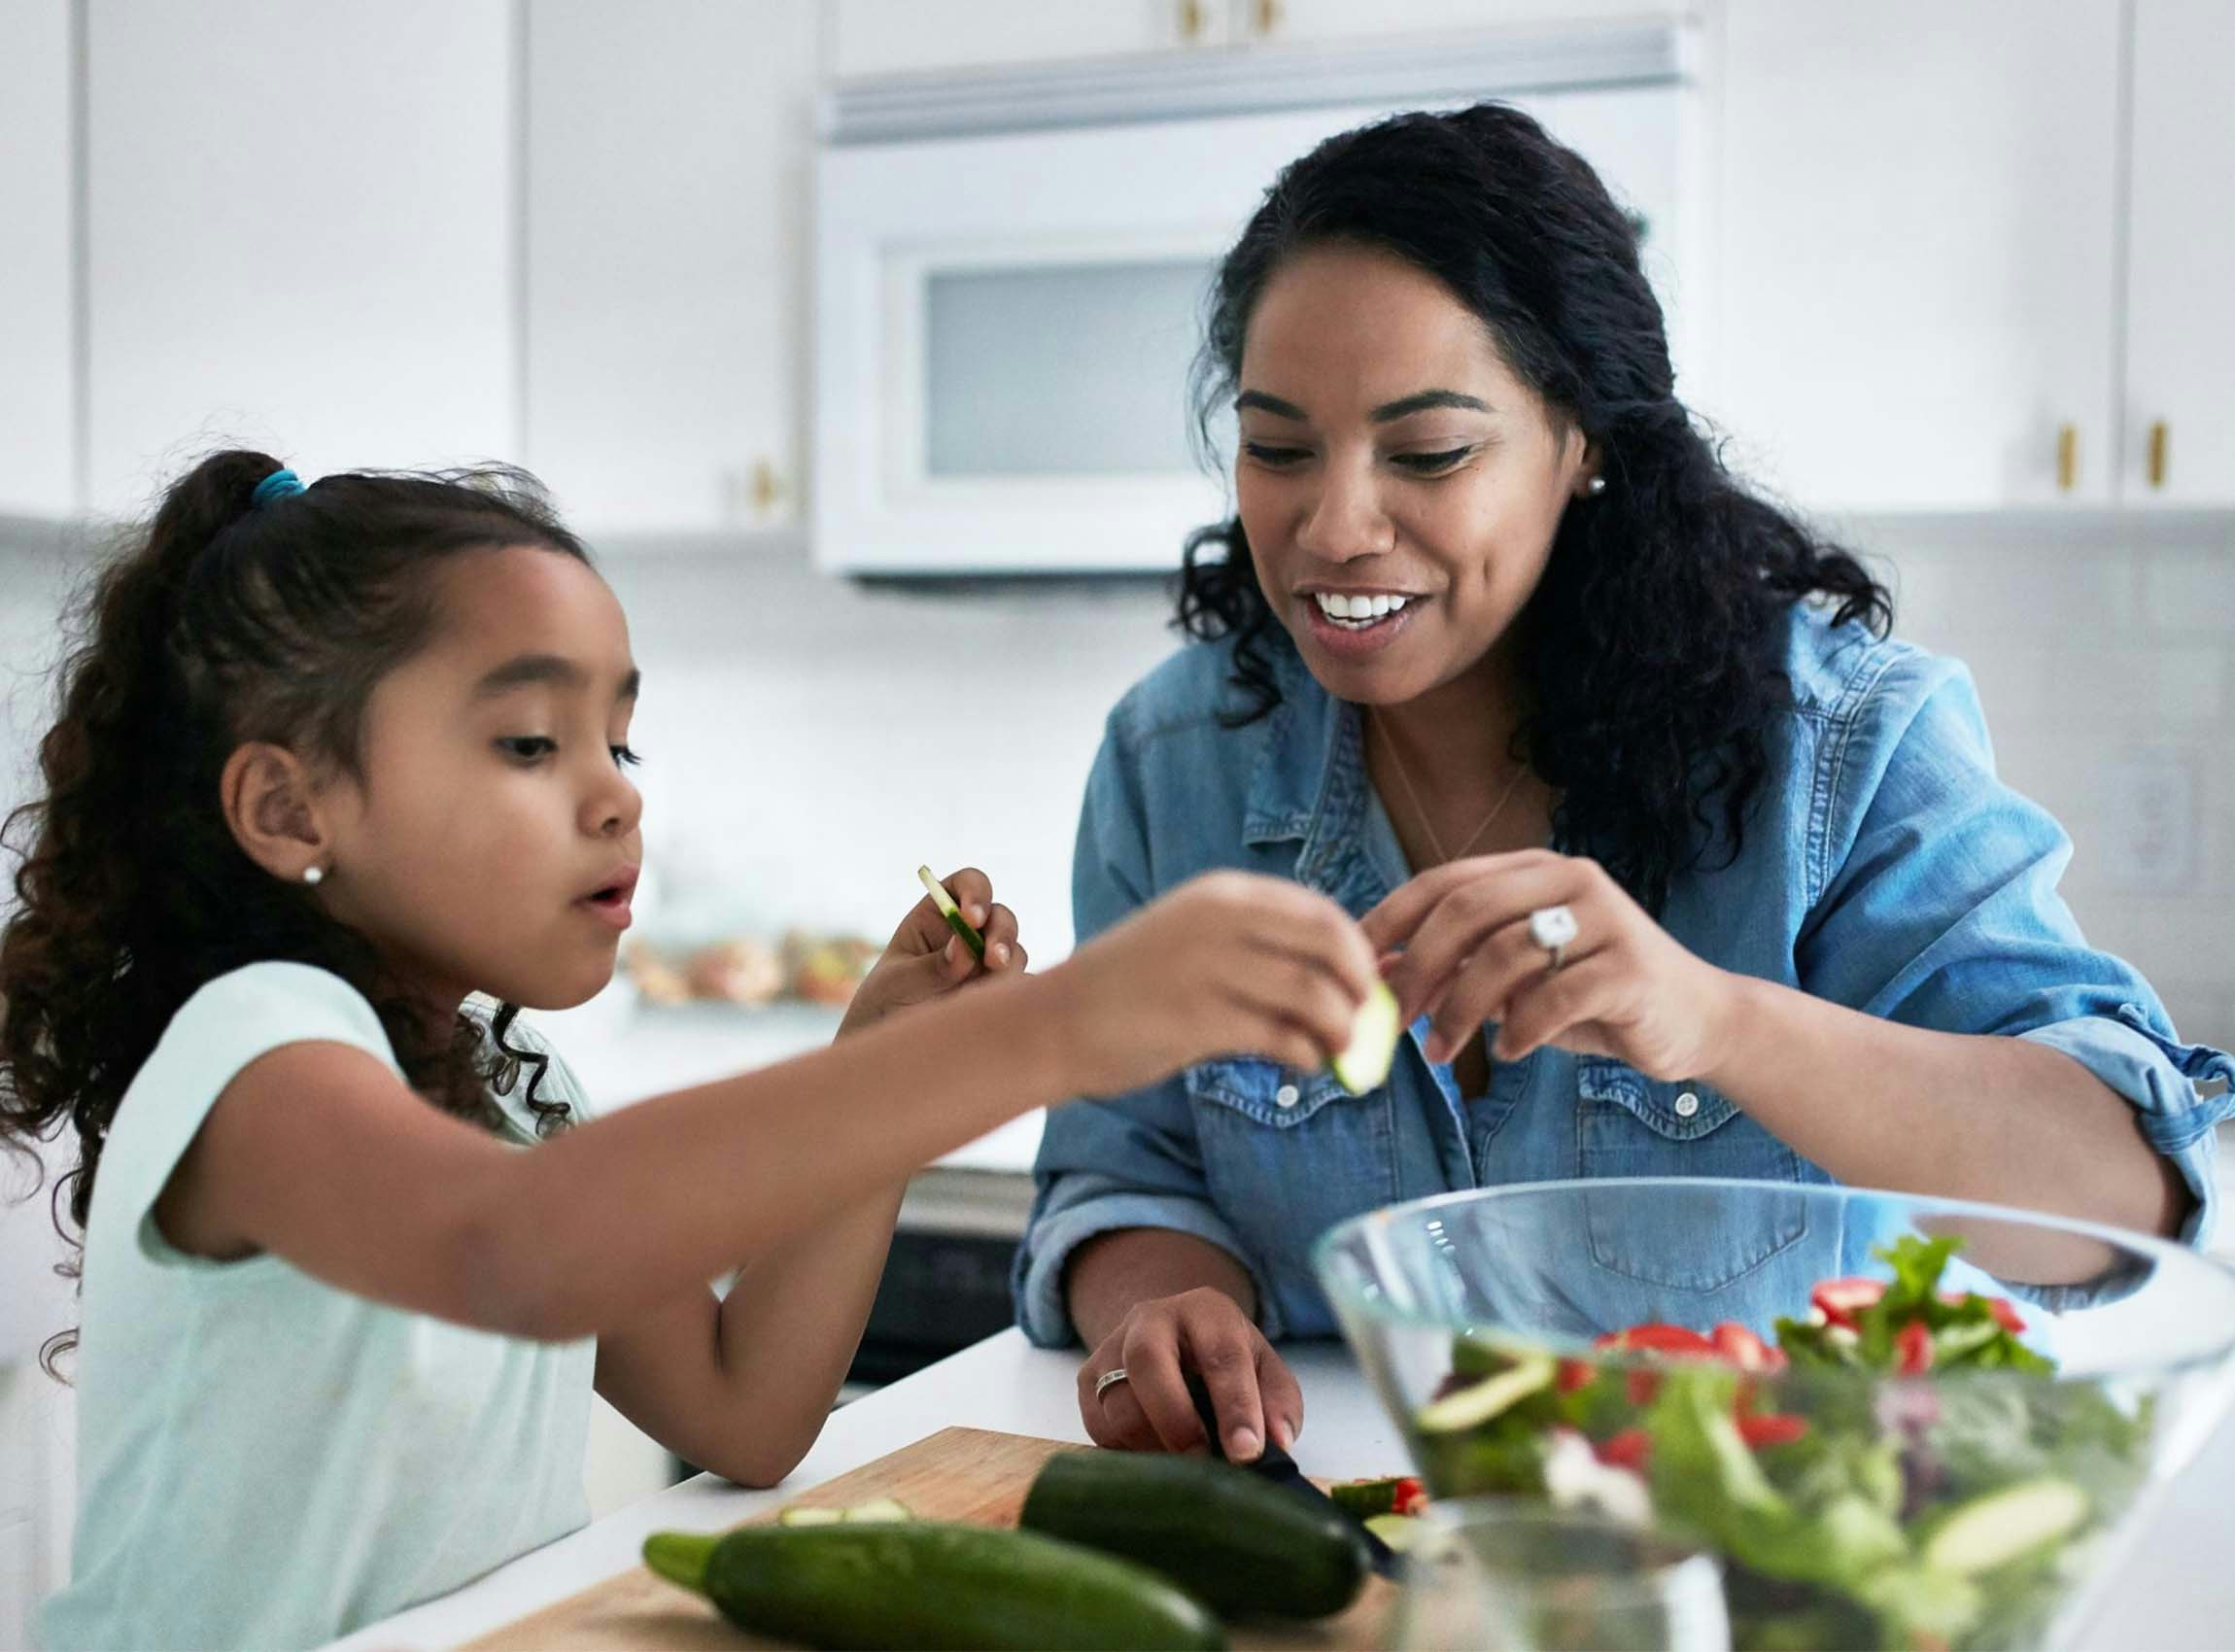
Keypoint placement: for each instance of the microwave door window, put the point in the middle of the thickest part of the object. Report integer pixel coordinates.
(1060, 370)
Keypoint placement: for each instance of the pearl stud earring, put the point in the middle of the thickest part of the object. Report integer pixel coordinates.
(1595, 486)
(313, 875)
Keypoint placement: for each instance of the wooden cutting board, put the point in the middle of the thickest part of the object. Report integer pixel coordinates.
(965, 1475)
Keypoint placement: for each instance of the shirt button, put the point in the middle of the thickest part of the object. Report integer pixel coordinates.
(1687, 1104)
(1288, 1095)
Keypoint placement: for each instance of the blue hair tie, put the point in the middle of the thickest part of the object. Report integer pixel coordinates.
(277, 486)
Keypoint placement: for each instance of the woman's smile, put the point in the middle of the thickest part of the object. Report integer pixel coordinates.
(1355, 626)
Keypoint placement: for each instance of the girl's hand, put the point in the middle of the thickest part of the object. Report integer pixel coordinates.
(925, 958)
(1227, 964)
(1157, 1344)
(1625, 987)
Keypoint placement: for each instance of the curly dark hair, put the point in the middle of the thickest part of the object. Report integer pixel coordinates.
(1650, 654)
(221, 622)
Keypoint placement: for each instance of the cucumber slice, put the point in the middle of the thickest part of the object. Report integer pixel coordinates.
(1374, 1029)
(811, 1517)
(1996, 1528)
(878, 1509)
(1397, 1530)
(860, 1514)
(949, 910)
(1478, 1402)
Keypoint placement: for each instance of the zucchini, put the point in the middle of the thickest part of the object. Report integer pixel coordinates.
(1365, 1061)
(918, 1584)
(1242, 1544)
(949, 910)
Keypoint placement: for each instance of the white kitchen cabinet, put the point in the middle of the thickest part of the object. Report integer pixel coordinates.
(1348, 20)
(301, 234)
(2180, 443)
(886, 37)
(669, 148)
(1917, 303)
(38, 386)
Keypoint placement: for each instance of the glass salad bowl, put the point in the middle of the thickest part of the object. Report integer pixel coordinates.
(1900, 1422)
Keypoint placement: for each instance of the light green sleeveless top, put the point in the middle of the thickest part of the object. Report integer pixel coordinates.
(264, 1461)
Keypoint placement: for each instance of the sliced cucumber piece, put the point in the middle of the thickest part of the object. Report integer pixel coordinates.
(1374, 1029)
(1397, 1530)
(879, 1508)
(1478, 1402)
(1995, 1529)
(860, 1514)
(949, 910)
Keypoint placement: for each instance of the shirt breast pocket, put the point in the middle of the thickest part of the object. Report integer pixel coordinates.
(1628, 1124)
(1288, 1154)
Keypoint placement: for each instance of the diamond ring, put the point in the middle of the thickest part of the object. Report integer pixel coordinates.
(1108, 1380)
(1553, 928)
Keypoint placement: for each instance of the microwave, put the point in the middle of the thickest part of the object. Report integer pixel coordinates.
(1011, 272)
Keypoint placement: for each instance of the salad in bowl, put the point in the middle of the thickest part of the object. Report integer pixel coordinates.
(1939, 1446)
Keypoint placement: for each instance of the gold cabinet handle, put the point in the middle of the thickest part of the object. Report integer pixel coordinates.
(1190, 19)
(2160, 436)
(765, 488)
(1268, 13)
(2067, 457)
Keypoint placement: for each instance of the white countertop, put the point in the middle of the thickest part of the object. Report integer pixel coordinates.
(2177, 1594)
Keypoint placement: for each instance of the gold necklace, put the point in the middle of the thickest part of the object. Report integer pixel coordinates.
(1429, 826)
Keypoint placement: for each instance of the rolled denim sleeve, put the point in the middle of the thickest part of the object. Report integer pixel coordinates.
(1939, 907)
(1122, 1162)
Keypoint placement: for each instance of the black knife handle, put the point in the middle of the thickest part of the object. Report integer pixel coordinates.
(1273, 1457)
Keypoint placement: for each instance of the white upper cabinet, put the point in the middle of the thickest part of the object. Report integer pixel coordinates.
(1348, 19)
(38, 385)
(2180, 443)
(1916, 272)
(669, 149)
(889, 37)
(300, 235)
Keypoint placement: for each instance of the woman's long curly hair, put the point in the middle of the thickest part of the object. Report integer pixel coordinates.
(1650, 654)
(224, 621)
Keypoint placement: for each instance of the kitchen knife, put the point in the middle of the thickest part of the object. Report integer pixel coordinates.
(1277, 1465)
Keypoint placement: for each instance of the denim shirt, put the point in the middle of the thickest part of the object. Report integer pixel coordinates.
(1884, 867)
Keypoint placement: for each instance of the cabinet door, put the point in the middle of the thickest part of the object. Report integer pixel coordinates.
(2180, 307)
(301, 234)
(667, 162)
(38, 390)
(1347, 19)
(886, 37)
(1916, 266)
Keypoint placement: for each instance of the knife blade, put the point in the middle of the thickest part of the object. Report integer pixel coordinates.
(1278, 1466)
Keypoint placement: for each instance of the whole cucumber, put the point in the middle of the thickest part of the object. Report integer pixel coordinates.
(1243, 1546)
(923, 1585)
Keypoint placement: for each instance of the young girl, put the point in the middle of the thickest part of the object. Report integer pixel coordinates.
(330, 761)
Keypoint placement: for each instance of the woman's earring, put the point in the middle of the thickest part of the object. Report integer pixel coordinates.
(1595, 486)
(313, 875)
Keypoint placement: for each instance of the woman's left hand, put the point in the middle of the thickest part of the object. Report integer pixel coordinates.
(1625, 987)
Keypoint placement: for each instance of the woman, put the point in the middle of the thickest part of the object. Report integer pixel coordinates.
(1488, 590)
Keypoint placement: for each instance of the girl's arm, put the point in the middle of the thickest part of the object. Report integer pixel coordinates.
(742, 1384)
(319, 1153)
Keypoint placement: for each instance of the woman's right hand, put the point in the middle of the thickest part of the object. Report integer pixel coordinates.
(1157, 1344)
(1229, 963)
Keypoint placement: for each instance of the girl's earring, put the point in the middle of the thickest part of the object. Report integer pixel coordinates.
(1595, 486)
(313, 875)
